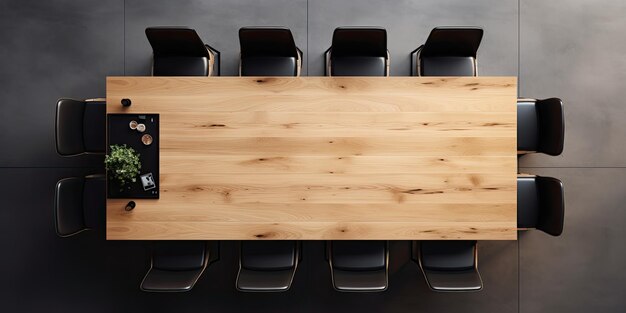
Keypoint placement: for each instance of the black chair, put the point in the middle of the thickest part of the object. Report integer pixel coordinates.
(540, 204)
(449, 265)
(540, 126)
(266, 266)
(80, 126)
(176, 266)
(79, 203)
(448, 51)
(179, 51)
(358, 51)
(268, 51)
(359, 266)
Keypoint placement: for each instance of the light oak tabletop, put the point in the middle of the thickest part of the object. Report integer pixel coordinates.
(394, 158)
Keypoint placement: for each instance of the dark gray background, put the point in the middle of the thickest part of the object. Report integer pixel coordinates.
(572, 49)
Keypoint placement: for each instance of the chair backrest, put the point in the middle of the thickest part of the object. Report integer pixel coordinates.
(359, 42)
(267, 41)
(179, 255)
(541, 204)
(551, 123)
(176, 42)
(69, 206)
(448, 255)
(271, 255)
(452, 42)
(552, 205)
(359, 255)
(541, 126)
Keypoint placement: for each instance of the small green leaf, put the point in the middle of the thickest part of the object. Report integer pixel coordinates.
(123, 163)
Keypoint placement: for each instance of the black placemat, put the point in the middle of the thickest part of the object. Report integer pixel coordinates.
(119, 133)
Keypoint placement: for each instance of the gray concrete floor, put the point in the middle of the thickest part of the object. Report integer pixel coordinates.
(572, 49)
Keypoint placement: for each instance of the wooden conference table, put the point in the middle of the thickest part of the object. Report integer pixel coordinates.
(393, 158)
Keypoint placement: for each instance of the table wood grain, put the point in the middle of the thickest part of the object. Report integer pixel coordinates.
(392, 158)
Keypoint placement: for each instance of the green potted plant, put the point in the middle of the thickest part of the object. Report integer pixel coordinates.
(123, 164)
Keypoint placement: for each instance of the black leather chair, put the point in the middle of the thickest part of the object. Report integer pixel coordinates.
(449, 265)
(80, 126)
(540, 126)
(359, 266)
(176, 266)
(266, 266)
(268, 51)
(179, 51)
(79, 203)
(448, 51)
(358, 51)
(540, 204)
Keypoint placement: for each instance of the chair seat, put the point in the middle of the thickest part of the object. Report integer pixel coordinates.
(179, 255)
(467, 280)
(527, 202)
(162, 280)
(447, 255)
(358, 66)
(527, 126)
(94, 201)
(447, 66)
(272, 255)
(269, 66)
(180, 66)
(254, 280)
(358, 255)
(94, 129)
(374, 280)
